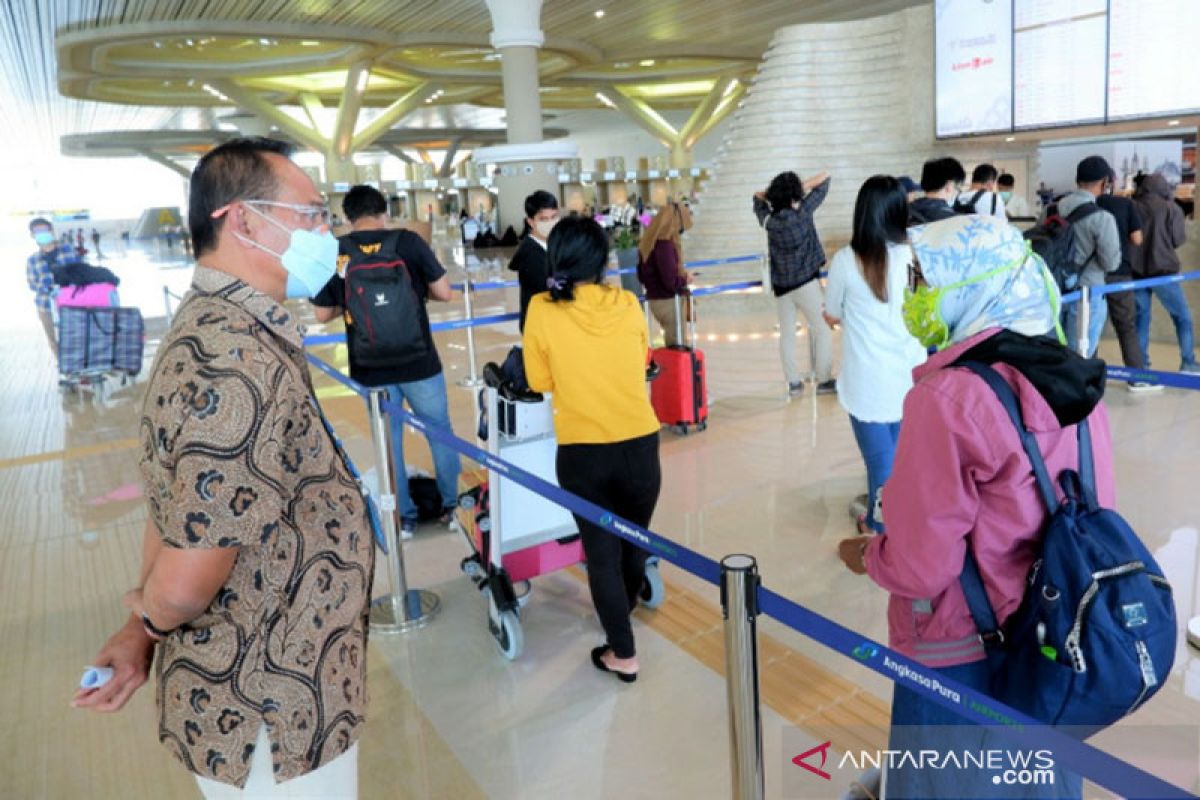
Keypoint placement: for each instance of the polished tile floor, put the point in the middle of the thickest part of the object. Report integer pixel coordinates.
(449, 717)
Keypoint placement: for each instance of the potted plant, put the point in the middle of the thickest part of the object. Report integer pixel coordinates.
(625, 245)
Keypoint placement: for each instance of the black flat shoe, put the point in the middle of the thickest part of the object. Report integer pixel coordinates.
(598, 663)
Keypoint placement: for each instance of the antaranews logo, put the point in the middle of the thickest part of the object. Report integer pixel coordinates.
(823, 749)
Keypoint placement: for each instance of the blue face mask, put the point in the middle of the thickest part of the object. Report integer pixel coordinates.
(310, 258)
(44, 238)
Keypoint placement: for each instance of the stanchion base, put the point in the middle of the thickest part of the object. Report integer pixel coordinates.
(1193, 632)
(423, 606)
(470, 383)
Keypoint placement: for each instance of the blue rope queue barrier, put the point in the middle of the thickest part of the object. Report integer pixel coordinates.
(702, 264)
(1173, 379)
(1096, 765)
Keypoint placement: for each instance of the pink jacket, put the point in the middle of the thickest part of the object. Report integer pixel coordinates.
(960, 472)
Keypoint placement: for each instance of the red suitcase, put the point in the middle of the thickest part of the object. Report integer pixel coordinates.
(679, 394)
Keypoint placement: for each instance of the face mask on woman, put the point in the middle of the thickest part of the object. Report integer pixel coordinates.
(922, 308)
(543, 227)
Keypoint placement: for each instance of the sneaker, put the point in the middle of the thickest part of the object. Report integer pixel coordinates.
(1140, 387)
(858, 507)
(448, 518)
(408, 529)
(795, 389)
(1191, 369)
(827, 387)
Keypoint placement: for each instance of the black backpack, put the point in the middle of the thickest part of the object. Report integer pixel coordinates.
(1054, 240)
(969, 206)
(383, 310)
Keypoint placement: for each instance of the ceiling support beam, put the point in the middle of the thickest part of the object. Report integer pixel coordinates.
(704, 111)
(347, 116)
(725, 107)
(641, 113)
(159, 158)
(255, 104)
(392, 114)
(399, 153)
(312, 107)
(448, 161)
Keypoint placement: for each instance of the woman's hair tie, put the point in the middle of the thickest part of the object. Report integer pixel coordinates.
(556, 283)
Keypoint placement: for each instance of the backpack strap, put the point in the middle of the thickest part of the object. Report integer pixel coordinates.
(1008, 398)
(980, 607)
(1087, 467)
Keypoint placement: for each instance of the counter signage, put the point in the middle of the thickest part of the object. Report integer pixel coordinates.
(610, 176)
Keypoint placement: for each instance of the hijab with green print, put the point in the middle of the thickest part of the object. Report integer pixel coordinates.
(987, 277)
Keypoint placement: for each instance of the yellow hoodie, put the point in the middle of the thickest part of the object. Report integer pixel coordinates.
(590, 352)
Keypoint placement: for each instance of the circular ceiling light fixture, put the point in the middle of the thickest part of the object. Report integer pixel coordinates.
(599, 13)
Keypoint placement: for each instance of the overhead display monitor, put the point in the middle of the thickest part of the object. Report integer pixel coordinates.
(973, 67)
(1152, 68)
(1005, 65)
(1059, 52)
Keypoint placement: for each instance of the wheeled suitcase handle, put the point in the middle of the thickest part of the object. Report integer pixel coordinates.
(691, 324)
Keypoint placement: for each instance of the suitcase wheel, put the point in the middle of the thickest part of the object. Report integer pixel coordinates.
(653, 592)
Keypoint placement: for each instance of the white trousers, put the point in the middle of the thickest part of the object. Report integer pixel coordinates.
(337, 780)
(810, 301)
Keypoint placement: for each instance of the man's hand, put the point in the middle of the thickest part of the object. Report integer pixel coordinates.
(832, 322)
(851, 552)
(129, 652)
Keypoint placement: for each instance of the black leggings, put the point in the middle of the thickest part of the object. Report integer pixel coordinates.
(624, 478)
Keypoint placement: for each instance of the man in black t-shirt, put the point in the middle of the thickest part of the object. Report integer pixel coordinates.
(1122, 307)
(420, 382)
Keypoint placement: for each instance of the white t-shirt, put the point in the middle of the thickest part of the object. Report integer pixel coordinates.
(984, 204)
(878, 353)
(1018, 206)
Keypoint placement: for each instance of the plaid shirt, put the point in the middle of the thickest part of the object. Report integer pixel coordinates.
(38, 271)
(792, 242)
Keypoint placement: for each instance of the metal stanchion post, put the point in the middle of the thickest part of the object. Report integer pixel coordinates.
(472, 380)
(404, 609)
(739, 601)
(167, 304)
(1085, 311)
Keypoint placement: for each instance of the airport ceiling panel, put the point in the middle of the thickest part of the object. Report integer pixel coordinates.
(112, 56)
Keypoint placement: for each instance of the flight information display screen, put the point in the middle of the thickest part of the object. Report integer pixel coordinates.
(973, 62)
(1023, 64)
(1059, 54)
(1152, 69)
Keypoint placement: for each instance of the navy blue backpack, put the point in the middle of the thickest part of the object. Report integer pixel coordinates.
(1094, 637)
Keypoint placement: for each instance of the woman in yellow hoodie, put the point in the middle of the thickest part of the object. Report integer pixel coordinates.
(585, 342)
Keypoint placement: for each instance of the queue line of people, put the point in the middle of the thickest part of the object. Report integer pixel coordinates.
(965, 287)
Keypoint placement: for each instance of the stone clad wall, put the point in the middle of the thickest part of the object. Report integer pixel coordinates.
(853, 98)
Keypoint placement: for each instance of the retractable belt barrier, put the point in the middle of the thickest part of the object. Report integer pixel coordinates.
(1095, 765)
(702, 264)
(1130, 286)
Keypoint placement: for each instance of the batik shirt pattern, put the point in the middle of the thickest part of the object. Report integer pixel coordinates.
(235, 453)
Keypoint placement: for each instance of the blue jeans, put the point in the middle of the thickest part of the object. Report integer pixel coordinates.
(921, 724)
(427, 399)
(1098, 312)
(1173, 300)
(877, 443)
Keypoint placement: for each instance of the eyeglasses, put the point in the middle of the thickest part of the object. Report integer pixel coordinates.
(315, 213)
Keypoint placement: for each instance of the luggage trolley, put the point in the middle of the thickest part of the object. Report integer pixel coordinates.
(515, 534)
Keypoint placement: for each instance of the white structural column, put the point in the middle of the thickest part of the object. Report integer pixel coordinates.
(854, 98)
(526, 163)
